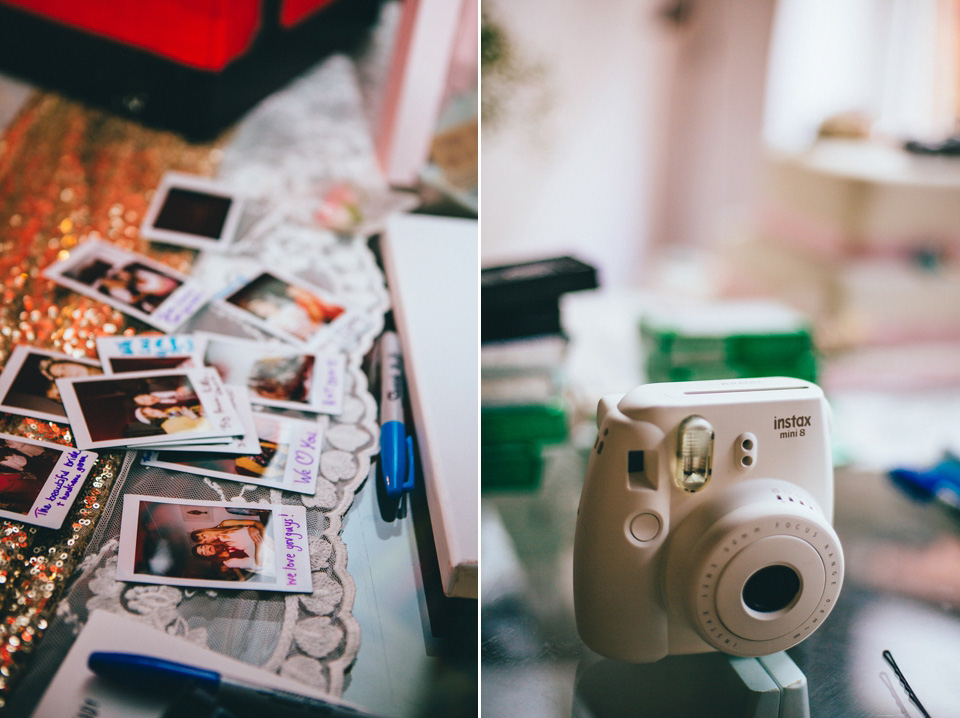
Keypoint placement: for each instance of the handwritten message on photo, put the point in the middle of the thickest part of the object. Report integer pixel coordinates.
(148, 407)
(39, 481)
(211, 544)
(133, 283)
(277, 375)
(289, 457)
(146, 352)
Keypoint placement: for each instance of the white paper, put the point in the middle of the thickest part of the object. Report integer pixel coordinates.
(76, 691)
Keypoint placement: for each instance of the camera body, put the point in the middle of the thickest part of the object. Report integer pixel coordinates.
(704, 520)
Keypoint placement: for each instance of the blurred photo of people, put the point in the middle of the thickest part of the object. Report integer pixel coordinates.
(136, 406)
(24, 468)
(28, 384)
(285, 307)
(180, 541)
(135, 284)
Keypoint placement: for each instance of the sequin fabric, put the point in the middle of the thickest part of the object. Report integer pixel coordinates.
(67, 172)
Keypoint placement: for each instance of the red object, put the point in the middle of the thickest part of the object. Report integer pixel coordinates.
(293, 11)
(202, 34)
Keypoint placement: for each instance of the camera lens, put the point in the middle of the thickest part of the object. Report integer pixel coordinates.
(771, 589)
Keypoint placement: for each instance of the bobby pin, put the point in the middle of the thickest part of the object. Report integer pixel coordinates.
(888, 657)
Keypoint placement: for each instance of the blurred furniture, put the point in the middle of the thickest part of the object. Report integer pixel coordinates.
(424, 55)
(431, 268)
(861, 236)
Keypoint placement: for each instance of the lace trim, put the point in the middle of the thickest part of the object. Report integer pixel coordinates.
(311, 638)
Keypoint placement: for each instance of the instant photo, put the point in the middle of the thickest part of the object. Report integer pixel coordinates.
(277, 376)
(287, 308)
(193, 211)
(28, 382)
(248, 444)
(289, 457)
(119, 355)
(208, 544)
(39, 481)
(149, 407)
(136, 285)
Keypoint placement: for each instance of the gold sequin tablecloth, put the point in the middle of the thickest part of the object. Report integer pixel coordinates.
(67, 172)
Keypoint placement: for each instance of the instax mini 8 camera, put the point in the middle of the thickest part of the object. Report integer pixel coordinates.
(705, 520)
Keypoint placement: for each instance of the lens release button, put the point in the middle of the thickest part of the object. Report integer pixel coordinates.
(645, 527)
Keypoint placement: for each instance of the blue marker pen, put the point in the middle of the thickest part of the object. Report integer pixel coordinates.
(243, 698)
(396, 448)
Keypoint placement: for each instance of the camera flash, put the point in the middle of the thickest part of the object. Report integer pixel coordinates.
(694, 453)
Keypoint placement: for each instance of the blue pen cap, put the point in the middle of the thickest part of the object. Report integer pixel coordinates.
(150, 674)
(396, 458)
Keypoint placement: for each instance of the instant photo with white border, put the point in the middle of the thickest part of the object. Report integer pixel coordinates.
(193, 211)
(277, 375)
(246, 445)
(58, 471)
(149, 407)
(121, 355)
(133, 283)
(260, 547)
(289, 457)
(284, 316)
(28, 381)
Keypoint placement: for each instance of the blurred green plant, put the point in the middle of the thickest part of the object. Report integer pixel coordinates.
(502, 70)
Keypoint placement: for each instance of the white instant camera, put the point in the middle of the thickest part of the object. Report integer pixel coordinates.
(704, 521)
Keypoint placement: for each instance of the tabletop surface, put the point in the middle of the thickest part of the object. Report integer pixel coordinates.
(405, 666)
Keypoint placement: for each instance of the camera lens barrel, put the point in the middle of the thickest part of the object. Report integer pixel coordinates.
(756, 571)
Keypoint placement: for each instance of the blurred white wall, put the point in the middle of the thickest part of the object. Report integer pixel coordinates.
(568, 166)
(625, 133)
(708, 177)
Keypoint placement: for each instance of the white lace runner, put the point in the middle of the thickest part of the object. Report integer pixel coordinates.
(284, 152)
(311, 638)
